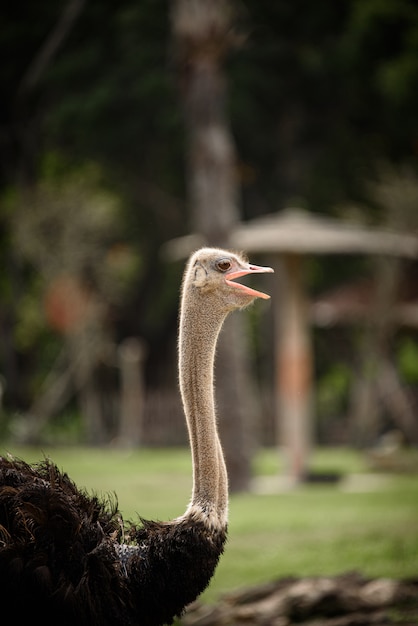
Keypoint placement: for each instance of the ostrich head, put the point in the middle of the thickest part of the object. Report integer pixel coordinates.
(212, 273)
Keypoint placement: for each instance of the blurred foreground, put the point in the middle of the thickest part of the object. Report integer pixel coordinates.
(347, 600)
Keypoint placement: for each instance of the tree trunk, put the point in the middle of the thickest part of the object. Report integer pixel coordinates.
(203, 36)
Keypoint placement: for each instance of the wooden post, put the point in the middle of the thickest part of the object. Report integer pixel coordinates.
(293, 370)
(131, 353)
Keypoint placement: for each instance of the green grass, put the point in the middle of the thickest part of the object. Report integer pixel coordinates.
(313, 530)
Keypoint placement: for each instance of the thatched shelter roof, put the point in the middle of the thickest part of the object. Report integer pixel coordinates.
(297, 231)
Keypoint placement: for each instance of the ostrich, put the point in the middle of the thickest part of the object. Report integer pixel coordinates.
(67, 558)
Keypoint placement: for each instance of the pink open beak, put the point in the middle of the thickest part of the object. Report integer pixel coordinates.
(250, 269)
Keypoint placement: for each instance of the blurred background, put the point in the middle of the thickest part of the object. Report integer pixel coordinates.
(126, 127)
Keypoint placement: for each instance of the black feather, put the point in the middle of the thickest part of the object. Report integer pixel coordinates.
(62, 560)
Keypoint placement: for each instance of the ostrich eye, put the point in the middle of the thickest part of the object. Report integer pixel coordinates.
(223, 265)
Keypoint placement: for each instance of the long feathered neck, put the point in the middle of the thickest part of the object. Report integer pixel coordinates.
(199, 329)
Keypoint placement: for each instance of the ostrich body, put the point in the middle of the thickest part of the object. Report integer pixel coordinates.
(63, 559)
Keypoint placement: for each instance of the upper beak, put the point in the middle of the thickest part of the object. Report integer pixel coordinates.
(249, 269)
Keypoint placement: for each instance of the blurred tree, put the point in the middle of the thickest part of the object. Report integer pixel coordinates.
(378, 385)
(203, 32)
(69, 231)
(318, 95)
(101, 93)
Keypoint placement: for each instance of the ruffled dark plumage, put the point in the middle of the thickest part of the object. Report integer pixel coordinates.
(62, 560)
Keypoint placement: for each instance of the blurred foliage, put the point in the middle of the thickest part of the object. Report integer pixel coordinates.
(92, 159)
(65, 222)
(332, 390)
(30, 324)
(309, 109)
(408, 360)
(65, 227)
